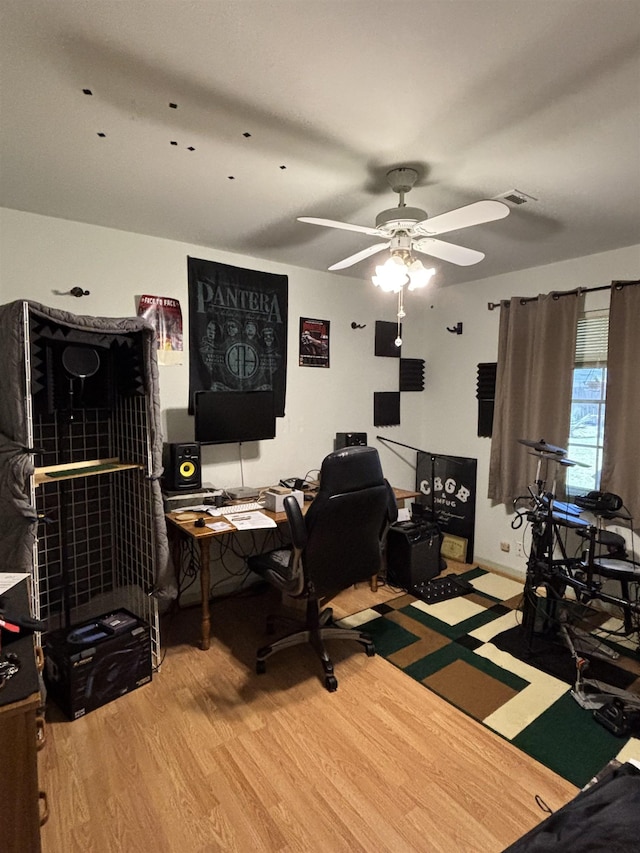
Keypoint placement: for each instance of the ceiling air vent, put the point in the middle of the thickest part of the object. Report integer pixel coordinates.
(515, 197)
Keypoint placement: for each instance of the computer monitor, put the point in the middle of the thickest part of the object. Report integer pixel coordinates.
(228, 417)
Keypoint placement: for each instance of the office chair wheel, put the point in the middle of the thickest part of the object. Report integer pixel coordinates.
(261, 667)
(370, 649)
(331, 683)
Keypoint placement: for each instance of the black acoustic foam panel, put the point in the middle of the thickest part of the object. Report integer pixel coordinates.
(412, 374)
(386, 408)
(485, 393)
(386, 334)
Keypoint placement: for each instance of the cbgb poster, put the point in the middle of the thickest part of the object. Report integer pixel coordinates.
(447, 484)
(237, 330)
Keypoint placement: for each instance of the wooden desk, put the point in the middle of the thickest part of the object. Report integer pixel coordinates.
(204, 535)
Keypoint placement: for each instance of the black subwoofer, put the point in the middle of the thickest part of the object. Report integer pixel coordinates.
(182, 468)
(413, 554)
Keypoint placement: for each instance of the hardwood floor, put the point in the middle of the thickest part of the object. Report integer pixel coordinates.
(211, 757)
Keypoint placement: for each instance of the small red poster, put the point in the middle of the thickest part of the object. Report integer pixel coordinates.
(165, 315)
(314, 343)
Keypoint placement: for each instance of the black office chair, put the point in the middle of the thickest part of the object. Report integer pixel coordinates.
(338, 543)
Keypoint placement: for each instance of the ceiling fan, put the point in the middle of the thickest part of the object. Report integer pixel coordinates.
(408, 229)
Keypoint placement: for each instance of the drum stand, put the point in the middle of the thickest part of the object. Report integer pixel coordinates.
(554, 575)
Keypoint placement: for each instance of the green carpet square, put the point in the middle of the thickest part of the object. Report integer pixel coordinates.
(388, 637)
(568, 740)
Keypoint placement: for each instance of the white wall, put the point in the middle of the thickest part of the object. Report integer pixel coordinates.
(40, 255)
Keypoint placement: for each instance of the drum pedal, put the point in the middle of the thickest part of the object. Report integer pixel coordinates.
(618, 718)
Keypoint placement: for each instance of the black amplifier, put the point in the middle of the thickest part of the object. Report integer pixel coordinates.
(97, 661)
(350, 439)
(413, 553)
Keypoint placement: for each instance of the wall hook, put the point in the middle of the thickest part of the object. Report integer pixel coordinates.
(75, 291)
(456, 330)
(355, 325)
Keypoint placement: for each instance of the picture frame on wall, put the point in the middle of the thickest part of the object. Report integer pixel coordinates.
(313, 343)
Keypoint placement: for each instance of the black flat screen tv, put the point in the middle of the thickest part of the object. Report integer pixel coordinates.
(227, 417)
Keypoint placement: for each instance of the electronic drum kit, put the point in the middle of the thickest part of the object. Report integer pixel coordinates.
(612, 707)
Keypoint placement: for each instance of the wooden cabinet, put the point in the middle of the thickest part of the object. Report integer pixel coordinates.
(22, 808)
(19, 791)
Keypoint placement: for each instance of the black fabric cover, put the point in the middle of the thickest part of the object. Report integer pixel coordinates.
(17, 513)
(605, 817)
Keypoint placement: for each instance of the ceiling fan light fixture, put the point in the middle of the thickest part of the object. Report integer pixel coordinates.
(392, 275)
(418, 275)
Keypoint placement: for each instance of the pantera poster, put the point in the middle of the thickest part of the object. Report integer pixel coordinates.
(237, 330)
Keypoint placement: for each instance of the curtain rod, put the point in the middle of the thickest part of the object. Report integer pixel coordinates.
(617, 284)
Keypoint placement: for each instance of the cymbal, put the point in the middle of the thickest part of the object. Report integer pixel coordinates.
(542, 446)
(554, 457)
(570, 462)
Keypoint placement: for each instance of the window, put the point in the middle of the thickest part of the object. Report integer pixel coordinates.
(588, 400)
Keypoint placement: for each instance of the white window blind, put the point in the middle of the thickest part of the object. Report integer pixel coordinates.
(592, 339)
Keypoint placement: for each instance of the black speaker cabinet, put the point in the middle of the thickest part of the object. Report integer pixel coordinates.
(182, 469)
(350, 439)
(413, 554)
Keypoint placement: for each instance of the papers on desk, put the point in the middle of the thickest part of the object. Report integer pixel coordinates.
(252, 521)
(219, 526)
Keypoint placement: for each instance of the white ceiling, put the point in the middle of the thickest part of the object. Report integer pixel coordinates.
(482, 96)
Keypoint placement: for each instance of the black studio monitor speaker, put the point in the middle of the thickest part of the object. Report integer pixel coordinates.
(350, 439)
(182, 468)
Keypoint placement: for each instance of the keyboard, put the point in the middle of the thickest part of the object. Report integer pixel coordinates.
(236, 508)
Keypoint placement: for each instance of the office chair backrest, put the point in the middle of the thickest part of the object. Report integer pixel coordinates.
(347, 522)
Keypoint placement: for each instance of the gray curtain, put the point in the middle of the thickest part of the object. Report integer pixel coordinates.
(536, 354)
(620, 467)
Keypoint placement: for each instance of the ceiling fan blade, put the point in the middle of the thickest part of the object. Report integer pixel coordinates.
(345, 226)
(448, 251)
(471, 214)
(359, 256)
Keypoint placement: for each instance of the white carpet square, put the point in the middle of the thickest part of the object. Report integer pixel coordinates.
(451, 612)
(630, 751)
(358, 619)
(615, 624)
(487, 632)
(542, 691)
(497, 587)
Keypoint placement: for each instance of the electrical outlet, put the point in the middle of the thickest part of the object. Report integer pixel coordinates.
(519, 549)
